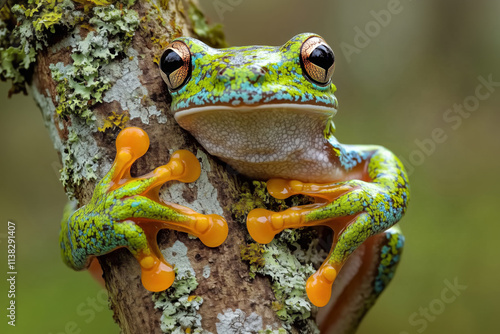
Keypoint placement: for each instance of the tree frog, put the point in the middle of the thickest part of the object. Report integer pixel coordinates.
(266, 111)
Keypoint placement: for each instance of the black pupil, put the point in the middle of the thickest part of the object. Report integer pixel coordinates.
(322, 56)
(171, 61)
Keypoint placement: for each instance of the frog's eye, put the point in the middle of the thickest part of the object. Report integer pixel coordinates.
(175, 65)
(317, 60)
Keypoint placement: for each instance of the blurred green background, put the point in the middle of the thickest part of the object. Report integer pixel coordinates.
(395, 87)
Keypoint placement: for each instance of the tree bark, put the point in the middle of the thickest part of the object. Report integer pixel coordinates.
(136, 96)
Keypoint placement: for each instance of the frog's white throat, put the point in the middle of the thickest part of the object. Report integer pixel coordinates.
(267, 141)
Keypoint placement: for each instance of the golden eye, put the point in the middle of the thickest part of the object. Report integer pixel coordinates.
(317, 60)
(175, 65)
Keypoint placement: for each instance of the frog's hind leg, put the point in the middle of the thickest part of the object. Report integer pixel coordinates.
(349, 235)
(363, 278)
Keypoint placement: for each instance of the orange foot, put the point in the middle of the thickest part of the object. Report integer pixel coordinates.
(127, 212)
(335, 207)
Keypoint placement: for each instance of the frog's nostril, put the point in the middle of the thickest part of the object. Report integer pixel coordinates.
(261, 71)
(224, 75)
(221, 72)
(256, 74)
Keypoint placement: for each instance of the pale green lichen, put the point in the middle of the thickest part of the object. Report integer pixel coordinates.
(80, 155)
(128, 91)
(81, 84)
(179, 308)
(237, 321)
(79, 164)
(288, 278)
(29, 24)
(273, 331)
(206, 271)
(178, 314)
(287, 260)
(26, 27)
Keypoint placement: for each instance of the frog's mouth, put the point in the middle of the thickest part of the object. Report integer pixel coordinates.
(256, 136)
(302, 108)
(255, 124)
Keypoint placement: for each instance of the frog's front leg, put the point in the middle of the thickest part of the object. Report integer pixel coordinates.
(127, 212)
(354, 209)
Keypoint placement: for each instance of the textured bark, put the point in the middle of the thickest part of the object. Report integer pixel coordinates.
(228, 285)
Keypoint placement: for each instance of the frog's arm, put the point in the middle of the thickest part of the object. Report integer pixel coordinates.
(374, 199)
(127, 212)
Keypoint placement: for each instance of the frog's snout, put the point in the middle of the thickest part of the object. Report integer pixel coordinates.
(253, 74)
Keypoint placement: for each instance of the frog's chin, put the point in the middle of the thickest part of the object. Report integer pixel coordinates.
(274, 140)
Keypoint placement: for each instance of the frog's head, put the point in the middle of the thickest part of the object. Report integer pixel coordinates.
(252, 104)
(295, 74)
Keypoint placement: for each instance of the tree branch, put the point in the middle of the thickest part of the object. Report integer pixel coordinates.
(91, 67)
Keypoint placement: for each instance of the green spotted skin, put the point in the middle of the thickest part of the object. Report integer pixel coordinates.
(264, 75)
(375, 206)
(106, 222)
(390, 255)
(388, 248)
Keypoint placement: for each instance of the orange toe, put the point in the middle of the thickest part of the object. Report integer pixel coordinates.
(260, 227)
(158, 278)
(185, 166)
(212, 230)
(279, 188)
(133, 139)
(319, 285)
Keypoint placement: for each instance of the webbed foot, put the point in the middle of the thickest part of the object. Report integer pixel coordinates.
(342, 206)
(127, 212)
